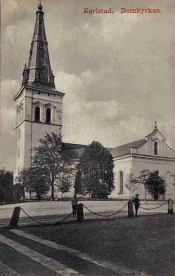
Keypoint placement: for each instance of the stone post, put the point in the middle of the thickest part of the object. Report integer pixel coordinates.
(80, 214)
(170, 206)
(15, 217)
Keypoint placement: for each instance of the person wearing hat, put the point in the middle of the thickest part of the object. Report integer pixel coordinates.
(137, 203)
(74, 206)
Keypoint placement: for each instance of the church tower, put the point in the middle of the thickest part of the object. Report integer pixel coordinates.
(38, 103)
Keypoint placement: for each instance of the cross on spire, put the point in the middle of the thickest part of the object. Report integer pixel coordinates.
(155, 125)
(40, 7)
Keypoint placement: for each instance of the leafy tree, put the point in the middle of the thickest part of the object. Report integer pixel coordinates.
(131, 183)
(96, 165)
(50, 156)
(64, 183)
(143, 178)
(36, 180)
(155, 184)
(78, 186)
(18, 192)
(6, 186)
(65, 180)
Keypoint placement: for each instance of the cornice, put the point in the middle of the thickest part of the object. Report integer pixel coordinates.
(144, 156)
(34, 122)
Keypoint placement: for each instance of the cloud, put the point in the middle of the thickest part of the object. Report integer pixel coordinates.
(117, 70)
(8, 116)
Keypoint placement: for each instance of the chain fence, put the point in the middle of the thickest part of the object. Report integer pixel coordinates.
(100, 215)
(92, 212)
(154, 207)
(44, 223)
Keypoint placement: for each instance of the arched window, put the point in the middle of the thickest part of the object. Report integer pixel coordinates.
(37, 114)
(121, 182)
(48, 115)
(156, 147)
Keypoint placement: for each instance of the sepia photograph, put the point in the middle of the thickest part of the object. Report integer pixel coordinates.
(87, 138)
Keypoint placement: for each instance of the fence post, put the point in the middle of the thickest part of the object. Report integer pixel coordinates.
(80, 214)
(170, 206)
(15, 217)
(130, 209)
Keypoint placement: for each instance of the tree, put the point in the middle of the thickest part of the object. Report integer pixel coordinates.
(64, 185)
(155, 184)
(50, 156)
(78, 185)
(131, 183)
(143, 178)
(6, 186)
(18, 192)
(65, 180)
(36, 180)
(96, 165)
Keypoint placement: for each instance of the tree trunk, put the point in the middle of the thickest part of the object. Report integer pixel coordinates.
(52, 187)
(38, 196)
(24, 196)
(145, 193)
(156, 196)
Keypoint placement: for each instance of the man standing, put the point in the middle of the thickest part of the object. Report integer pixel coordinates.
(137, 203)
(74, 206)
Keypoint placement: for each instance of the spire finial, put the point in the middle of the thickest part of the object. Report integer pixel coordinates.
(40, 7)
(155, 125)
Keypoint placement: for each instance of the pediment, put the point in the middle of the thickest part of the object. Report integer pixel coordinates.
(156, 136)
(38, 104)
(49, 105)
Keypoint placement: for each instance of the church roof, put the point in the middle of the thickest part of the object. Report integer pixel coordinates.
(79, 149)
(39, 69)
(120, 150)
(126, 148)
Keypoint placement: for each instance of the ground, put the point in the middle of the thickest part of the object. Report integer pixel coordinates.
(142, 246)
(145, 244)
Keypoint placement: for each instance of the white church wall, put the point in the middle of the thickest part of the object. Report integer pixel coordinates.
(121, 165)
(162, 166)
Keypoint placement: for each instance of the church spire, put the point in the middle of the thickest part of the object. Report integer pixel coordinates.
(39, 68)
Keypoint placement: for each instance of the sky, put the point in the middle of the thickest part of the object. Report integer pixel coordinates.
(117, 70)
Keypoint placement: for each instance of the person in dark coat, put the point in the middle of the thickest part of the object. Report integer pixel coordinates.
(137, 203)
(74, 206)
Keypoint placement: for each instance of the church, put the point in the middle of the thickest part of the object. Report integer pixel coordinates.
(151, 153)
(39, 110)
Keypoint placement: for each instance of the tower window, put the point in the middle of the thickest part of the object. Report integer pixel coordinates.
(48, 115)
(156, 148)
(37, 114)
(121, 183)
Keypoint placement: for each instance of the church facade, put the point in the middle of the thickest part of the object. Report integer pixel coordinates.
(39, 110)
(151, 153)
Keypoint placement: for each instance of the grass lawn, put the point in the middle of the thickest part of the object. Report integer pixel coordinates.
(146, 243)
